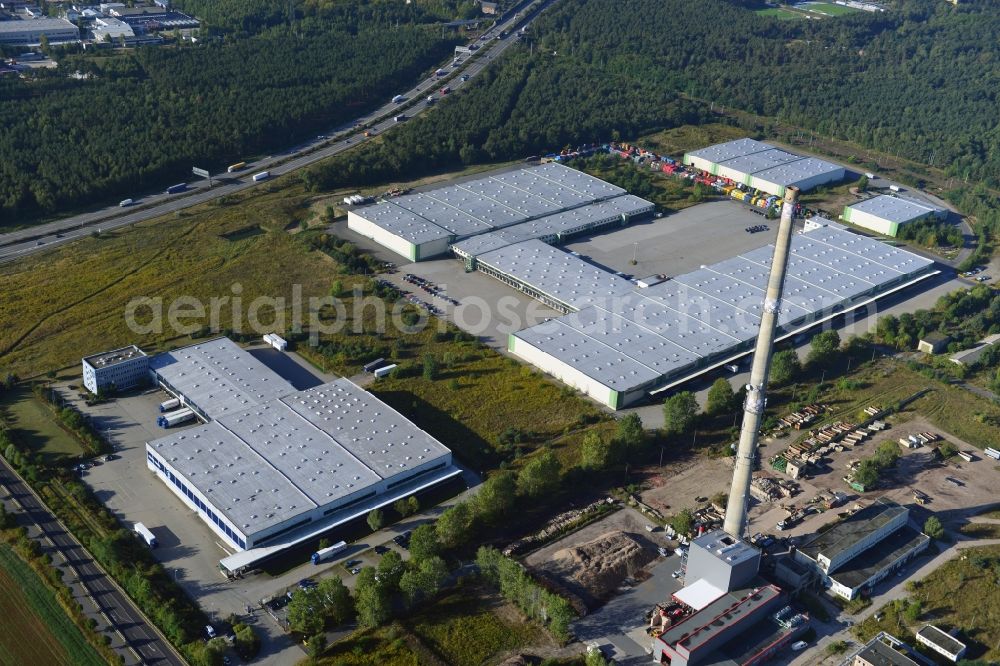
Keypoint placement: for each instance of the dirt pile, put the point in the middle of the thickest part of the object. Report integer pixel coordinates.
(599, 566)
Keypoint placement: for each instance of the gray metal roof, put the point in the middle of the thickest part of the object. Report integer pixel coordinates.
(893, 209)
(565, 222)
(403, 223)
(863, 567)
(10, 27)
(219, 377)
(712, 310)
(797, 171)
(449, 218)
(943, 639)
(729, 150)
(760, 161)
(269, 463)
(555, 273)
(843, 536)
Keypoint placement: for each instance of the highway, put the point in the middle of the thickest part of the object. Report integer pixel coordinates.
(17, 244)
(144, 644)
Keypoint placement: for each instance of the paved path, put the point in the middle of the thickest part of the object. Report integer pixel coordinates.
(132, 635)
(17, 244)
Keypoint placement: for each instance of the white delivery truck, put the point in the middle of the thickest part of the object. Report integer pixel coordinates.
(325, 554)
(263, 175)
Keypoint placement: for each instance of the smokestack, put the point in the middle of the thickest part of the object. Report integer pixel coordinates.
(753, 407)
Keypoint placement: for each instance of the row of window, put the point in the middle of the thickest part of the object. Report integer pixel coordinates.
(228, 531)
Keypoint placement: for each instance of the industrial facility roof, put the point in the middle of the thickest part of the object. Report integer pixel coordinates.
(942, 639)
(35, 24)
(698, 594)
(218, 377)
(860, 569)
(266, 464)
(715, 308)
(879, 653)
(790, 173)
(725, 547)
(719, 615)
(729, 150)
(483, 204)
(114, 357)
(760, 161)
(565, 222)
(893, 209)
(844, 535)
(555, 273)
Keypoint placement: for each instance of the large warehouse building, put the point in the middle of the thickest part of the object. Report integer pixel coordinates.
(29, 32)
(549, 201)
(763, 167)
(885, 214)
(630, 343)
(274, 467)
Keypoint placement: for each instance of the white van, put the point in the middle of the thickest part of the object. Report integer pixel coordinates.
(124, 203)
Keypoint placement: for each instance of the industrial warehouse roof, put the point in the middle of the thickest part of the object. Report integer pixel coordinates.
(844, 535)
(218, 377)
(764, 162)
(555, 273)
(893, 209)
(860, 569)
(945, 641)
(484, 204)
(269, 463)
(698, 594)
(719, 615)
(678, 323)
(35, 25)
(729, 150)
(566, 222)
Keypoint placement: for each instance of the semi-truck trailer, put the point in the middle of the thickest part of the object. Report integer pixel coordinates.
(171, 419)
(125, 203)
(239, 166)
(167, 405)
(263, 175)
(328, 553)
(179, 187)
(440, 72)
(146, 535)
(383, 371)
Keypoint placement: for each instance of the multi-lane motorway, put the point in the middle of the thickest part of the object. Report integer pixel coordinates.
(143, 644)
(17, 244)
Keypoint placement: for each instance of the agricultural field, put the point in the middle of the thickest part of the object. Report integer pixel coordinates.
(36, 628)
(33, 424)
(976, 612)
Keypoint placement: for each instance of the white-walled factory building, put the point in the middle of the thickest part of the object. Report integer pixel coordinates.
(530, 203)
(622, 347)
(764, 167)
(273, 466)
(885, 214)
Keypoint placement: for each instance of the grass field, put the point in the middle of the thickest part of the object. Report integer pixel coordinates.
(462, 628)
(975, 611)
(464, 631)
(954, 410)
(36, 629)
(828, 8)
(680, 140)
(981, 530)
(71, 300)
(779, 13)
(34, 425)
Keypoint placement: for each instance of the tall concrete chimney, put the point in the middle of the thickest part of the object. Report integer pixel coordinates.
(753, 408)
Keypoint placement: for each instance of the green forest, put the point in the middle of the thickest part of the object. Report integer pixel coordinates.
(138, 119)
(919, 80)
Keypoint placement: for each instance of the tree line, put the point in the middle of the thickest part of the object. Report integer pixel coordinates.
(125, 122)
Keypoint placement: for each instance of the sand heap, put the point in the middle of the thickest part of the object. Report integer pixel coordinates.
(602, 564)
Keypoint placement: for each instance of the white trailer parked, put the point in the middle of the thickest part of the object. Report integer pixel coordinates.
(146, 535)
(263, 175)
(276, 341)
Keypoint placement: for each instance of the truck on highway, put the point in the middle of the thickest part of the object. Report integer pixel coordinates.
(179, 187)
(441, 72)
(263, 175)
(328, 553)
(170, 419)
(239, 166)
(145, 534)
(125, 203)
(398, 99)
(445, 90)
(400, 118)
